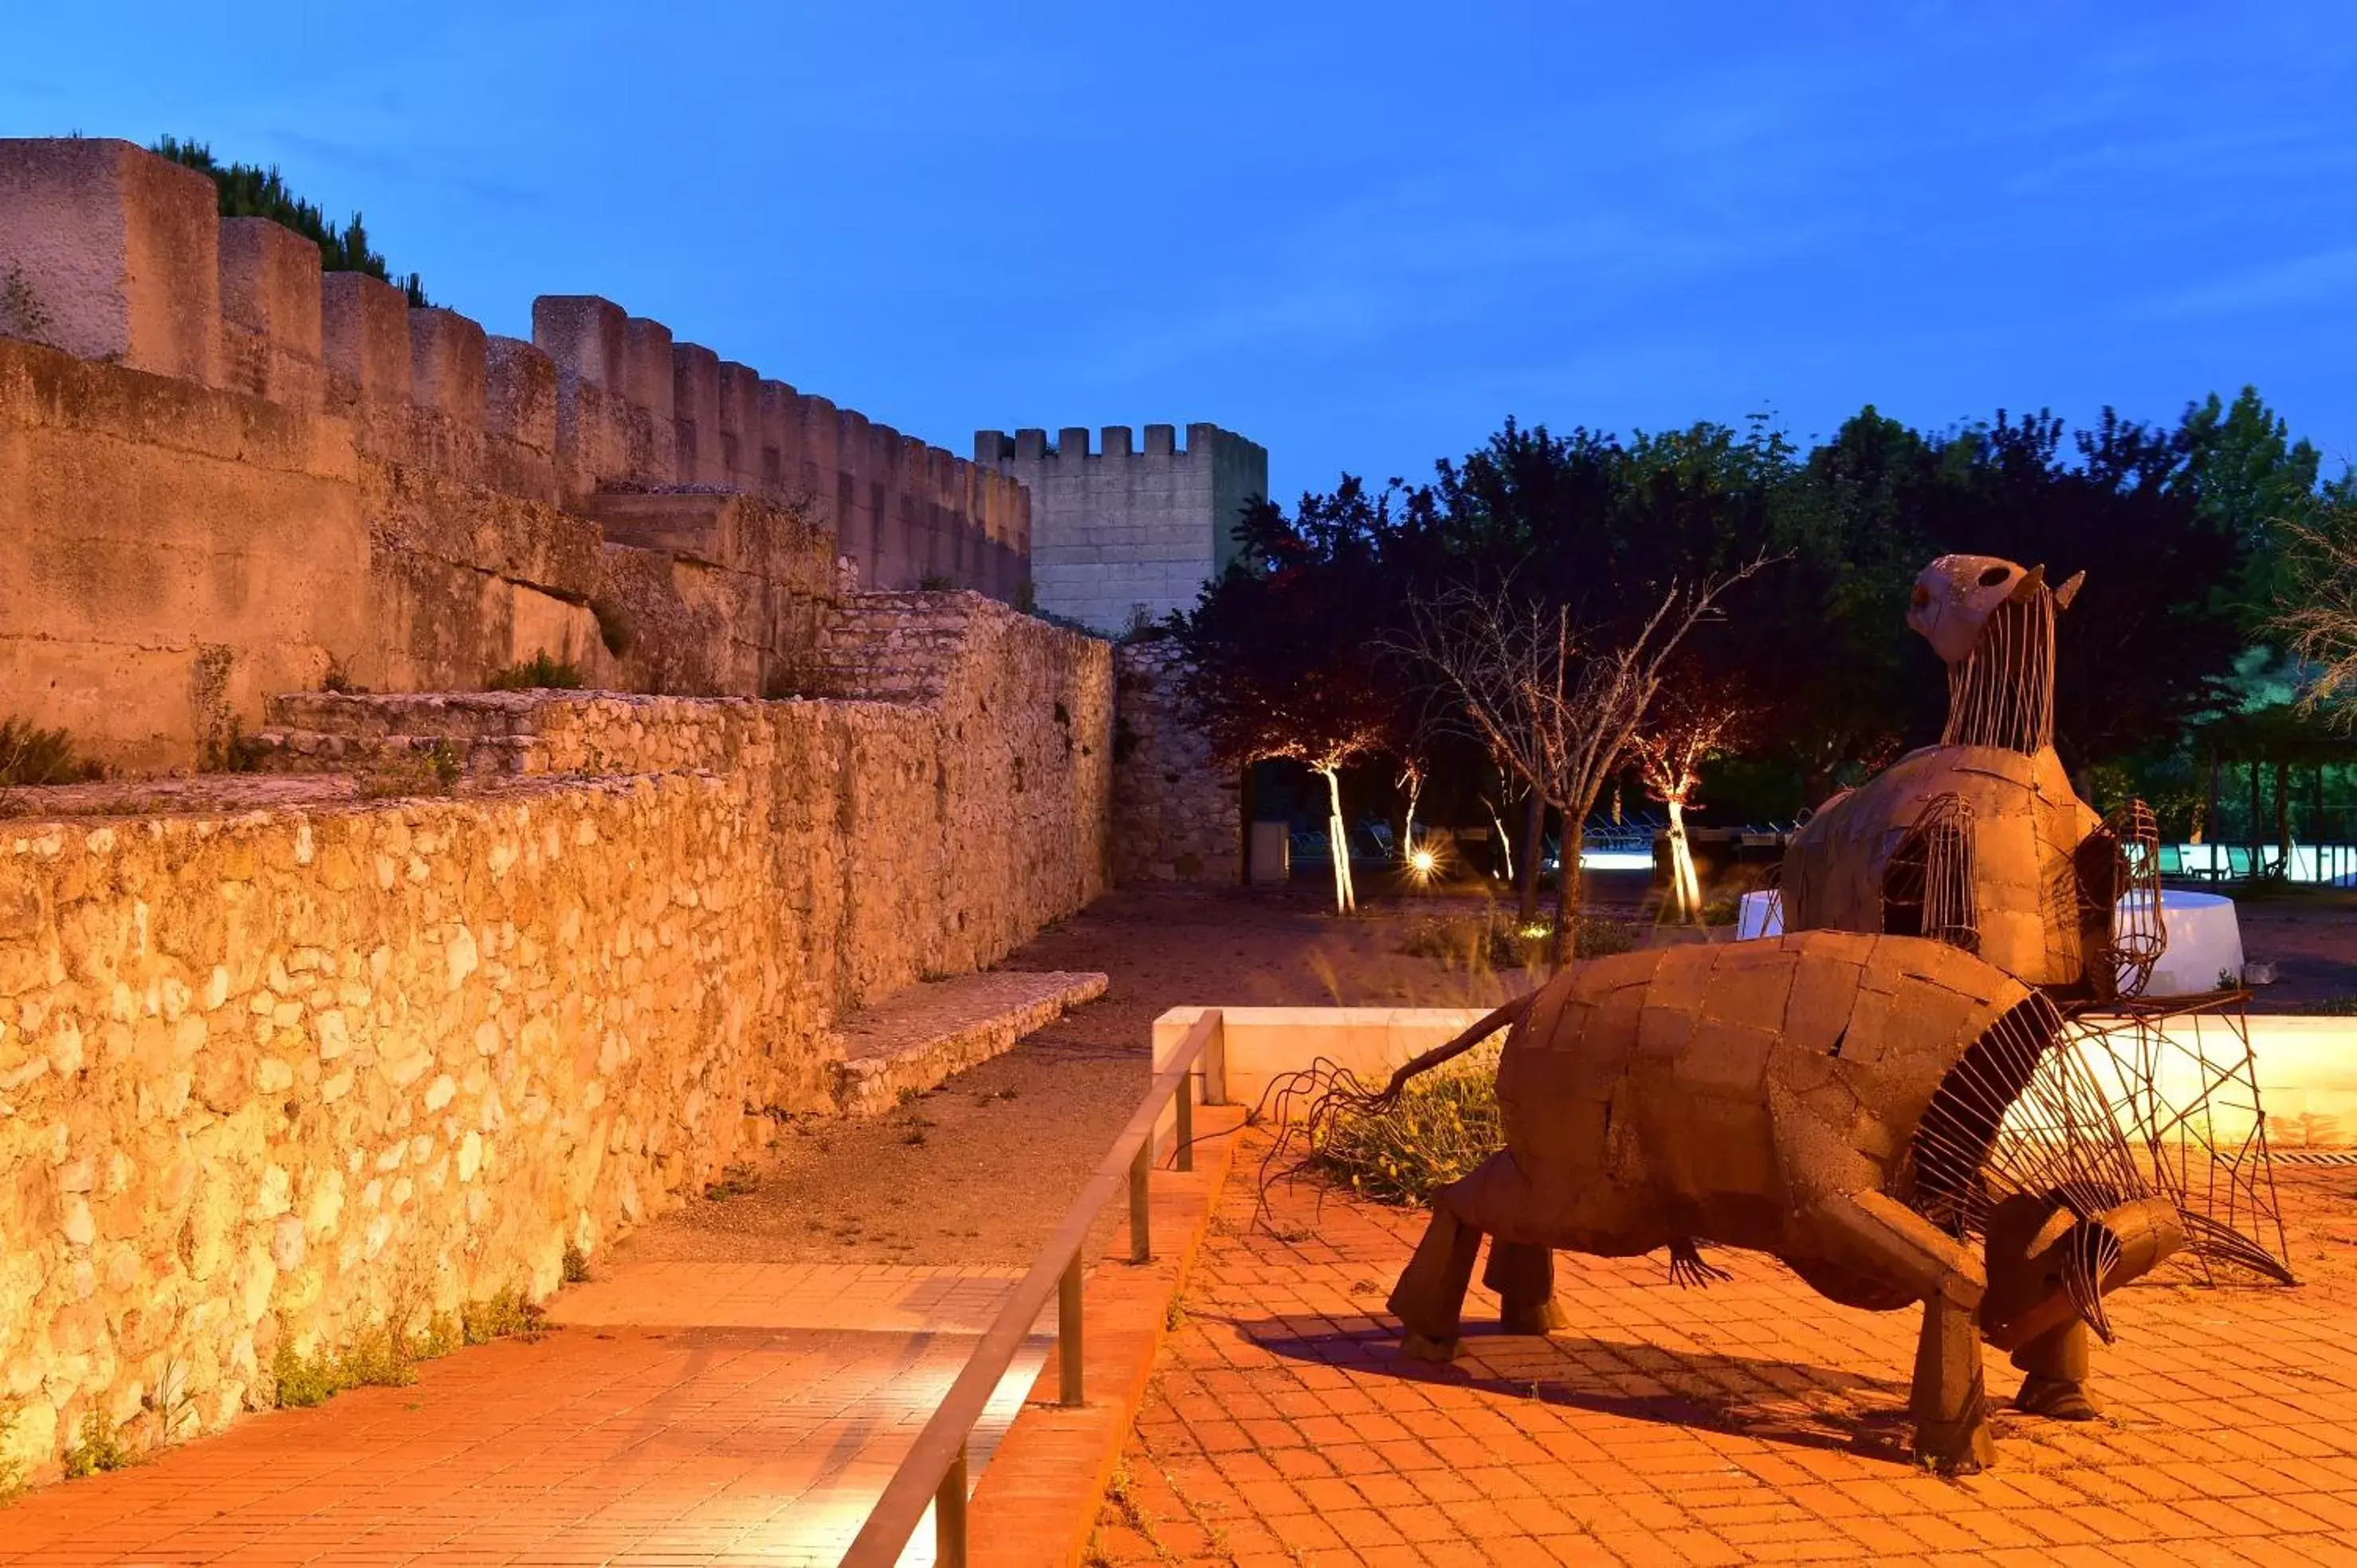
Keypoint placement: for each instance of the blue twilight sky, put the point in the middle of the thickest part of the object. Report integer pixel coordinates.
(1361, 234)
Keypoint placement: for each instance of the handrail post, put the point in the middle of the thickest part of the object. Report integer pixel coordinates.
(1068, 1335)
(949, 1515)
(1187, 1120)
(1141, 1240)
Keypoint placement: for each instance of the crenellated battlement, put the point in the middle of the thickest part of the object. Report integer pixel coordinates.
(114, 255)
(1121, 530)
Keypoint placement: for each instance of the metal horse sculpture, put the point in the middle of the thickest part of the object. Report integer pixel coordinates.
(1859, 1107)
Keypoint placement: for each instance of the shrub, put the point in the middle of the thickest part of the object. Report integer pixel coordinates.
(1496, 940)
(504, 1316)
(540, 672)
(1443, 1124)
(100, 1450)
(575, 1263)
(937, 583)
(31, 756)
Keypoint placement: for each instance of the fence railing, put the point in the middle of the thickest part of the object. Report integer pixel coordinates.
(934, 1470)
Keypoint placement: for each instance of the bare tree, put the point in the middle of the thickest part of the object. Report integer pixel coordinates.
(1696, 720)
(2321, 621)
(1560, 704)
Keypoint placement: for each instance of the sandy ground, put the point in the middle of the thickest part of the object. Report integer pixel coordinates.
(980, 1170)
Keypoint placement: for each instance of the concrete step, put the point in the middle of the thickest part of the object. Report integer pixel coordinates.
(914, 1038)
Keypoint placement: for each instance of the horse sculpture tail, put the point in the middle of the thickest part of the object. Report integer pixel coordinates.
(1306, 1104)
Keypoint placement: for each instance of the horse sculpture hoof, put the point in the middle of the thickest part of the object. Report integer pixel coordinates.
(2056, 1399)
(1529, 1317)
(1417, 1347)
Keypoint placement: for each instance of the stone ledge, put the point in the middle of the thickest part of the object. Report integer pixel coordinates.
(913, 1039)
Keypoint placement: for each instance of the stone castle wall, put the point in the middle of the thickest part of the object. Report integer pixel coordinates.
(1117, 534)
(225, 474)
(279, 1076)
(1177, 816)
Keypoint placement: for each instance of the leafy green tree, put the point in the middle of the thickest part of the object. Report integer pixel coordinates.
(248, 191)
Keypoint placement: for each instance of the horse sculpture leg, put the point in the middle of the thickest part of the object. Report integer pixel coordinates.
(1523, 1274)
(1429, 1300)
(2055, 1364)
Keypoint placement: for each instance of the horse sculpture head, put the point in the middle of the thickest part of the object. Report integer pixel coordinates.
(1956, 596)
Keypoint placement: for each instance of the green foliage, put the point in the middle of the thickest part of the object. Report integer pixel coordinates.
(1443, 1124)
(575, 1263)
(340, 681)
(540, 672)
(937, 583)
(378, 1358)
(249, 190)
(33, 756)
(503, 1316)
(99, 1449)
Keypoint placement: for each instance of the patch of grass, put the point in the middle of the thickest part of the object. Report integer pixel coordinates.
(12, 1470)
(435, 771)
(937, 583)
(505, 1316)
(537, 674)
(575, 1265)
(101, 1449)
(339, 680)
(2331, 1007)
(1496, 940)
(376, 1358)
(32, 756)
(1443, 1124)
(734, 1181)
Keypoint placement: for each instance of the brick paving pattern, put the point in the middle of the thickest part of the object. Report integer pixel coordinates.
(631, 1433)
(1753, 1421)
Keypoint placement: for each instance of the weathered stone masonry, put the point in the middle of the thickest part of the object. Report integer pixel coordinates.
(279, 1076)
(224, 474)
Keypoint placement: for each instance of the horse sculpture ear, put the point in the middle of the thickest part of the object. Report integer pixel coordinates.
(2069, 591)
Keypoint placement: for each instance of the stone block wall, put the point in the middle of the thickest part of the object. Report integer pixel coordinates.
(280, 1075)
(224, 473)
(1120, 533)
(1176, 815)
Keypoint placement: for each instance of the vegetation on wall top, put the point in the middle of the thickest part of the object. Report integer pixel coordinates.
(250, 190)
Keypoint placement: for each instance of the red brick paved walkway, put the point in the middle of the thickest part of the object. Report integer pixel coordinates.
(760, 1435)
(1751, 1422)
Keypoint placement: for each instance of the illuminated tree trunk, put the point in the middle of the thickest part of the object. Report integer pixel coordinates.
(1506, 842)
(1684, 885)
(1338, 841)
(1533, 846)
(1408, 831)
(1569, 889)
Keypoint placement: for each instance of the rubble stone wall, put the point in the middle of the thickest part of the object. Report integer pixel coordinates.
(281, 1076)
(1176, 814)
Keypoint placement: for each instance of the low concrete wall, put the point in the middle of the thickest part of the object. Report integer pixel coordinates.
(2307, 1067)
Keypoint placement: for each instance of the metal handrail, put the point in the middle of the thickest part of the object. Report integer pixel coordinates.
(934, 1470)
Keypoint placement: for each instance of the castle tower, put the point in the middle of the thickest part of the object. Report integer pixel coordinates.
(1118, 534)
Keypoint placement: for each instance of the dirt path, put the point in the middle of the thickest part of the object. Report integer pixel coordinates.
(980, 1170)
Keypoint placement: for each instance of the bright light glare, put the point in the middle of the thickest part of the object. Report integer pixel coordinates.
(1424, 861)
